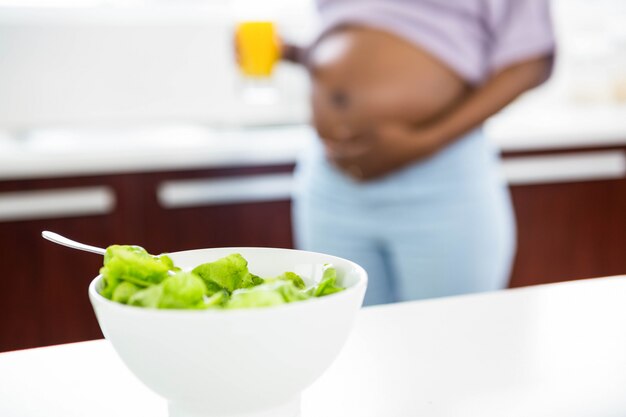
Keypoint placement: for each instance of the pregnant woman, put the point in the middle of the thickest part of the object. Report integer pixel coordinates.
(402, 179)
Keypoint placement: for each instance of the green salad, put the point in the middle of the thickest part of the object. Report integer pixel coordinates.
(132, 276)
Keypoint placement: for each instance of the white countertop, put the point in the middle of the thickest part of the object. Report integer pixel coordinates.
(546, 351)
(68, 152)
(531, 124)
(65, 152)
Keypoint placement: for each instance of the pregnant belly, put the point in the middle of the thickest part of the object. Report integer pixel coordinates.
(362, 76)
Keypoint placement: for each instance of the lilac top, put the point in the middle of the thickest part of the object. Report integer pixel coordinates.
(475, 38)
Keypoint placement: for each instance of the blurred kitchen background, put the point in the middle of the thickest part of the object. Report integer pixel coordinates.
(127, 121)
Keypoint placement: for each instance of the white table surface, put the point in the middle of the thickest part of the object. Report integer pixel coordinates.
(553, 350)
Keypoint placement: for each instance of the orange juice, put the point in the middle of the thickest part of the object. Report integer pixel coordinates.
(257, 47)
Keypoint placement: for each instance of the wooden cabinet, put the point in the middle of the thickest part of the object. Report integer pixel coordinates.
(571, 225)
(43, 292)
(43, 296)
(571, 229)
(240, 207)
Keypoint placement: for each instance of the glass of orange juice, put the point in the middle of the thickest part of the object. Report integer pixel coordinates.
(258, 48)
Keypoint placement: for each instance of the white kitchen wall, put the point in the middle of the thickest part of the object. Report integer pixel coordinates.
(117, 62)
(591, 50)
(113, 62)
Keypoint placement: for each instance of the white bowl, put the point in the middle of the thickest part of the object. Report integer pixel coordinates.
(244, 363)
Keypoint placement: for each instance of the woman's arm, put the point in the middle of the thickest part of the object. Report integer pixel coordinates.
(499, 91)
(392, 145)
(293, 53)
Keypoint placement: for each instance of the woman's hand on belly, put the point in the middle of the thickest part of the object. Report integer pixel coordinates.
(381, 150)
(367, 146)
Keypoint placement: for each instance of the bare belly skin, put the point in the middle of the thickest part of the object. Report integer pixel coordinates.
(362, 76)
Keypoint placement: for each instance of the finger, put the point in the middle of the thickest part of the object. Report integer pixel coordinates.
(342, 133)
(236, 48)
(331, 152)
(344, 150)
(347, 167)
(355, 172)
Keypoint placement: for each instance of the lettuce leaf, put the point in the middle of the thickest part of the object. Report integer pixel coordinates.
(132, 264)
(217, 300)
(228, 273)
(328, 283)
(132, 276)
(182, 290)
(292, 277)
(124, 291)
(147, 297)
(264, 295)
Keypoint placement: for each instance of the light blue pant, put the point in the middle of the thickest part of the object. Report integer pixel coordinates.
(441, 227)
